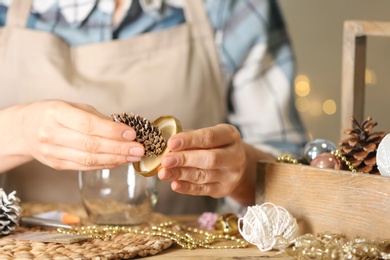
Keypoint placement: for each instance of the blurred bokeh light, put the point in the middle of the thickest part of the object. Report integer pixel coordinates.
(302, 85)
(329, 107)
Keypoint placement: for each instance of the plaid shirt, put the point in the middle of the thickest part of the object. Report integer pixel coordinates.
(253, 44)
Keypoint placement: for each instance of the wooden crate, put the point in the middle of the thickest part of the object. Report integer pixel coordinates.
(355, 204)
(321, 200)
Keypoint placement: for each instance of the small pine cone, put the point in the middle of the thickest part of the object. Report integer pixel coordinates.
(149, 135)
(10, 212)
(361, 146)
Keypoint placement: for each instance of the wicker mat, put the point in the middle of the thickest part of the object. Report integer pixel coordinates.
(121, 246)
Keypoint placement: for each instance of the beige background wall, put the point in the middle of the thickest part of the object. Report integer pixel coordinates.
(316, 28)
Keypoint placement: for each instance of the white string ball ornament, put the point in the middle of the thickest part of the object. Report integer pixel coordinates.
(268, 226)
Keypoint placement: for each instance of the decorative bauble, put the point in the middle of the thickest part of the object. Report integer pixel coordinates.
(361, 146)
(147, 133)
(227, 224)
(316, 147)
(10, 212)
(326, 160)
(383, 156)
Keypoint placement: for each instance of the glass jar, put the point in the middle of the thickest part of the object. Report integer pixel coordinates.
(117, 196)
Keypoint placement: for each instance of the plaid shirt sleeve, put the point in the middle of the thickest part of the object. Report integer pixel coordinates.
(259, 64)
(252, 41)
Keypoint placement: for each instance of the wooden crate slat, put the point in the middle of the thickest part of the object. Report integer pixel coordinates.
(355, 204)
(354, 67)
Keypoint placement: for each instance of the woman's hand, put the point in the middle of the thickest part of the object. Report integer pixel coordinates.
(214, 162)
(209, 161)
(68, 136)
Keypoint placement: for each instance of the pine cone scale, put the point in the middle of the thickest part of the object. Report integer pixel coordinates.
(352, 142)
(355, 162)
(360, 155)
(370, 147)
(375, 136)
(370, 161)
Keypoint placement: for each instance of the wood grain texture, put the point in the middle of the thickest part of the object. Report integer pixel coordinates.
(354, 66)
(355, 204)
(252, 252)
(176, 252)
(368, 28)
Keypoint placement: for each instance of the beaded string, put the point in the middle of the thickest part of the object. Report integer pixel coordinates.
(287, 158)
(191, 239)
(338, 154)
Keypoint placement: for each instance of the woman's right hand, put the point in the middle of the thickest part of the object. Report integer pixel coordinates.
(66, 136)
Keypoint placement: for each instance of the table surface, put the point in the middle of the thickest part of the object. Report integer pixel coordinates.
(251, 252)
(176, 252)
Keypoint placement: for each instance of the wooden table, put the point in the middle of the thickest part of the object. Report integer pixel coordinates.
(176, 252)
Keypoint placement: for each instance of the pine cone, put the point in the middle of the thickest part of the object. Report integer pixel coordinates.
(9, 212)
(149, 135)
(360, 148)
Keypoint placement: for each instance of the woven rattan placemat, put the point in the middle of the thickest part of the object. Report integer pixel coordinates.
(121, 246)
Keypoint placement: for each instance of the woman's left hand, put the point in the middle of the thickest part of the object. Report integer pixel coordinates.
(209, 161)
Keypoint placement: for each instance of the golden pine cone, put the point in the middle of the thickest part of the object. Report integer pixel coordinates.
(149, 135)
(361, 146)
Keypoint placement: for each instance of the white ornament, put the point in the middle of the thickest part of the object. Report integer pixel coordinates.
(268, 226)
(383, 156)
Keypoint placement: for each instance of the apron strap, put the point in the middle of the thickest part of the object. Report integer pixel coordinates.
(195, 11)
(18, 13)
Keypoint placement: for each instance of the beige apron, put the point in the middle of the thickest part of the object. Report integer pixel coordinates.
(174, 71)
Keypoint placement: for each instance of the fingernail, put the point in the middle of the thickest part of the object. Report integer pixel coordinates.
(128, 135)
(169, 161)
(137, 151)
(175, 144)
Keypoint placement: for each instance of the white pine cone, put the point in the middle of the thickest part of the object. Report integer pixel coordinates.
(10, 212)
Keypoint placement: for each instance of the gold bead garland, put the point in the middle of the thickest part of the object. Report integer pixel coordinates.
(333, 246)
(191, 239)
(338, 154)
(287, 158)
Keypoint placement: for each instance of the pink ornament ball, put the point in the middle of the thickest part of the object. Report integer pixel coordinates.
(326, 160)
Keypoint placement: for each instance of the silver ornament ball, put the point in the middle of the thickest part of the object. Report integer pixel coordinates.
(316, 147)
